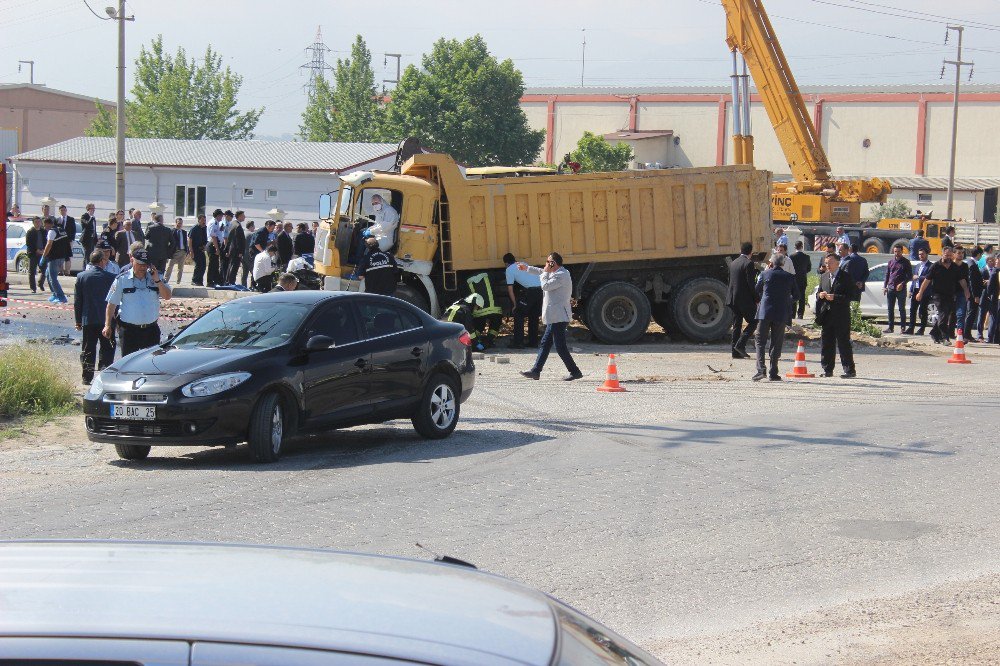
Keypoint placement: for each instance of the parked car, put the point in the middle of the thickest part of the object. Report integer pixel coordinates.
(17, 249)
(262, 368)
(179, 604)
(874, 303)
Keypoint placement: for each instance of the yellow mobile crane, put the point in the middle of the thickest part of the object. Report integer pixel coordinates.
(811, 196)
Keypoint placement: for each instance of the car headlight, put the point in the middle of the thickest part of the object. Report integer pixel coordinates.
(96, 388)
(214, 384)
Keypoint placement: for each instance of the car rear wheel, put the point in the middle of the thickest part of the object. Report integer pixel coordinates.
(132, 451)
(267, 429)
(21, 265)
(437, 414)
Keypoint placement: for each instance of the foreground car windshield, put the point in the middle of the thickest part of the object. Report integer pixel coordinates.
(249, 325)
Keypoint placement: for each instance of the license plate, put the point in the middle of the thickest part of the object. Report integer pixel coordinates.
(134, 412)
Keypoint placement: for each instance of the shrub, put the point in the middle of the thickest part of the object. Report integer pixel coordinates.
(31, 383)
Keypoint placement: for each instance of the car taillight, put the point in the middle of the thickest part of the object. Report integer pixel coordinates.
(465, 339)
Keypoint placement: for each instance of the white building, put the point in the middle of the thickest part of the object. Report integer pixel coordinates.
(189, 177)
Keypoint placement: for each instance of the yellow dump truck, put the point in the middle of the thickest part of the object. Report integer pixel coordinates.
(638, 244)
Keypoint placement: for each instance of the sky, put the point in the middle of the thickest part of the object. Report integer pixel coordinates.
(628, 42)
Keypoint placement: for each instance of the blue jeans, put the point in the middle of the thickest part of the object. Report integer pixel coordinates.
(52, 269)
(557, 333)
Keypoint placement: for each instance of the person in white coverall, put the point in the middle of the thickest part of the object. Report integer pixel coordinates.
(386, 222)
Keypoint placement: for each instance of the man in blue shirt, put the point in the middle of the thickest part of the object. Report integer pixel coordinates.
(137, 292)
(917, 243)
(525, 292)
(843, 237)
(216, 241)
(89, 296)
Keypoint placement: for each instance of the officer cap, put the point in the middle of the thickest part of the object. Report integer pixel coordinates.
(141, 256)
(103, 245)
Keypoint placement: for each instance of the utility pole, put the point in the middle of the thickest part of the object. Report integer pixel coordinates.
(958, 63)
(317, 65)
(31, 69)
(385, 63)
(583, 56)
(120, 111)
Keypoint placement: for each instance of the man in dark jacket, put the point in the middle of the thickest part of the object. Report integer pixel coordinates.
(833, 312)
(236, 247)
(198, 237)
(88, 231)
(304, 242)
(803, 267)
(283, 241)
(89, 308)
(378, 269)
(774, 291)
(68, 224)
(741, 299)
(160, 243)
(857, 267)
(917, 243)
(35, 241)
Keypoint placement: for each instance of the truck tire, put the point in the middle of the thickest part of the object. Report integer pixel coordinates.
(617, 312)
(873, 246)
(699, 308)
(405, 292)
(900, 242)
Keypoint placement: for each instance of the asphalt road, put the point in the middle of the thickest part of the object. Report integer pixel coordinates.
(697, 503)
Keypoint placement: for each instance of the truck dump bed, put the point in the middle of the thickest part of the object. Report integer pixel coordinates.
(600, 217)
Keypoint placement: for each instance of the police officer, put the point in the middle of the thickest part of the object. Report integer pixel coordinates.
(92, 286)
(525, 292)
(216, 240)
(109, 266)
(463, 312)
(378, 269)
(137, 292)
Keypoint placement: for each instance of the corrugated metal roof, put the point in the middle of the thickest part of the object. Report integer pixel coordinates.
(911, 88)
(212, 154)
(934, 182)
(39, 87)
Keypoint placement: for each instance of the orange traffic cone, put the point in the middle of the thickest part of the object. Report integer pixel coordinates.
(958, 356)
(611, 384)
(800, 370)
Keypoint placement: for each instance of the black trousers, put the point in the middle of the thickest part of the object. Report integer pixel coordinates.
(160, 264)
(92, 339)
(971, 320)
(88, 249)
(740, 337)
(135, 338)
(945, 312)
(33, 271)
(918, 308)
(199, 268)
(247, 263)
(214, 276)
(233, 268)
(836, 336)
(527, 309)
(800, 297)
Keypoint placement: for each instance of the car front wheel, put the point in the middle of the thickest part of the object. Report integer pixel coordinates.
(132, 451)
(267, 429)
(437, 414)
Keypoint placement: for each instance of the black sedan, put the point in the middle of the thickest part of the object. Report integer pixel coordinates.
(263, 368)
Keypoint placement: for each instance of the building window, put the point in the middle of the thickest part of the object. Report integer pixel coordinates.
(923, 200)
(189, 200)
(248, 193)
(271, 195)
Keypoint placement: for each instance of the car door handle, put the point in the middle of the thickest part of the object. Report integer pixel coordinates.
(416, 351)
(361, 363)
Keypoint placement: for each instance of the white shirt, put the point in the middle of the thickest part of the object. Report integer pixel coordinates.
(384, 229)
(262, 265)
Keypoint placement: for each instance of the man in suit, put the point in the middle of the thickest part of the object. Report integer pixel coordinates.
(236, 247)
(35, 240)
(89, 229)
(987, 302)
(803, 267)
(774, 291)
(284, 243)
(993, 293)
(857, 267)
(182, 250)
(67, 224)
(833, 312)
(920, 271)
(137, 223)
(198, 239)
(160, 243)
(89, 305)
(741, 299)
(123, 242)
(304, 242)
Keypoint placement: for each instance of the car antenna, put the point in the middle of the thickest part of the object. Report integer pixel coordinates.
(447, 559)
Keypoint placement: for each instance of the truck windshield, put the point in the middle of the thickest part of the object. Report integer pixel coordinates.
(345, 199)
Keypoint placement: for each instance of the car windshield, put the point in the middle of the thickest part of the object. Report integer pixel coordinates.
(345, 199)
(244, 325)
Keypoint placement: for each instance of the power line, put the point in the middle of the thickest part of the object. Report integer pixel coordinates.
(948, 19)
(883, 12)
(317, 66)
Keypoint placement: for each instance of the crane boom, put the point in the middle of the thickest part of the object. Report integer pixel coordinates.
(811, 195)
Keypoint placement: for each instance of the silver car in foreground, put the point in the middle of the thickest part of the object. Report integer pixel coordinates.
(167, 604)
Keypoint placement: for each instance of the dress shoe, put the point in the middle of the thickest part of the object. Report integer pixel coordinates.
(759, 376)
(850, 374)
(920, 331)
(907, 331)
(774, 378)
(573, 376)
(828, 374)
(889, 329)
(530, 374)
(740, 353)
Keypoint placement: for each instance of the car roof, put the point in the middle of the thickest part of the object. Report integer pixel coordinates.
(270, 595)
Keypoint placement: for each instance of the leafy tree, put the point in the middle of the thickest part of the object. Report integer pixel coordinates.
(594, 153)
(176, 98)
(463, 102)
(317, 119)
(104, 124)
(891, 210)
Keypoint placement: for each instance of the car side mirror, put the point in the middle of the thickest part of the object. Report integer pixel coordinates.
(319, 342)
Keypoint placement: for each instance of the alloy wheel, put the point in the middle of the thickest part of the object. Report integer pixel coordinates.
(442, 406)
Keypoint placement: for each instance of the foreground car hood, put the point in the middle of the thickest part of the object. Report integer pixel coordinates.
(158, 361)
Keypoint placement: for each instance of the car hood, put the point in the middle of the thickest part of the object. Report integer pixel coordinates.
(173, 361)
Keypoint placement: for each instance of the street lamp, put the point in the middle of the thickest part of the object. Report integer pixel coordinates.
(156, 208)
(48, 204)
(276, 214)
(119, 15)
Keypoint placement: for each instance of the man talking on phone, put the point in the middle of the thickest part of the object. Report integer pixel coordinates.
(136, 293)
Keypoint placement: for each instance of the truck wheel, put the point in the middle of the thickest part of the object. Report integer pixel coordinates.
(901, 242)
(699, 308)
(21, 266)
(874, 246)
(618, 312)
(405, 292)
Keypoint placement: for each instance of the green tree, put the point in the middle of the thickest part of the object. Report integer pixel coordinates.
(890, 210)
(317, 119)
(174, 97)
(463, 102)
(594, 153)
(104, 124)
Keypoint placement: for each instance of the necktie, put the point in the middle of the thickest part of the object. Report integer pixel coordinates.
(130, 241)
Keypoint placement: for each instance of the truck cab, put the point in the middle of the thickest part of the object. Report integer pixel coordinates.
(933, 229)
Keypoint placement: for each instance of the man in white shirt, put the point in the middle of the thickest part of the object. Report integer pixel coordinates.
(263, 269)
(386, 222)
